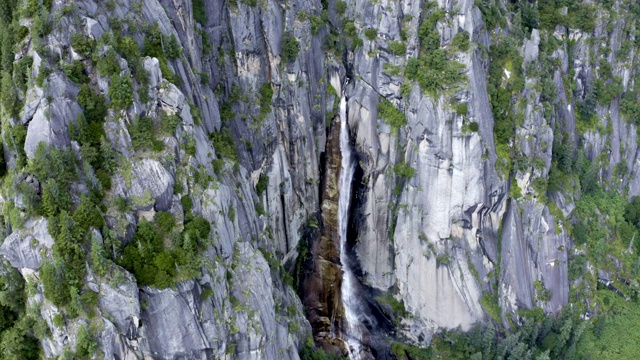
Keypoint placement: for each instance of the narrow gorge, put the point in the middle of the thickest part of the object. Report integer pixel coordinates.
(319, 179)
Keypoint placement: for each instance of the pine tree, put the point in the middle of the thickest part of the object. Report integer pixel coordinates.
(98, 258)
(50, 194)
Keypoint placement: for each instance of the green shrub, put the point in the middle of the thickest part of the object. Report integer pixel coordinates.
(404, 170)
(462, 109)
(316, 23)
(434, 71)
(396, 306)
(84, 45)
(262, 184)
(54, 282)
(169, 123)
(310, 352)
(87, 343)
(108, 64)
(10, 99)
(199, 13)
(461, 41)
(142, 132)
(473, 126)
(87, 215)
(224, 145)
(19, 342)
(58, 320)
(75, 72)
(43, 73)
(121, 92)
(95, 111)
(266, 94)
(21, 71)
(206, 294)
(12, 296)
(128, 48)
(290, 47)
(407, 352)
(21, 33)
(371, 33)
(392, 116)
(397, 48)
(173, 48)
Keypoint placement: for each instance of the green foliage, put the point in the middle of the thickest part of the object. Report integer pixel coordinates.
(393, 307)
(169, 123)
(108, 64)
(173, 48)
(87, 215)
(58, 320)
(598, 231)
(9, 96)
(407, 352)
(397, 48)
(537, 337)
(157, 265)
(491, 13)
(473, 126)
(371, 33)
(143, 134)
(266, 94)
(461, 41)
(18, 342)
(12, 296)
(224, 145)
(462, 109)
(21, 71)
(87, 343)
(392, 116)
(434, 71)
(128, 48)
(630, 107)
(614, 335)
(98, 258)
(504, 57)
(310, 352)
(579, 15)
(542, 294)
(75, 72)
(56, 169)
(207, 293)
(95, 112)
(53, 279)
(491, 306)
(121, 92)
(290, 47)
(632, 211)
(84, 45)
(199, 13)
(43, 73)
(261, 186)
(317, 22)
(404, 170)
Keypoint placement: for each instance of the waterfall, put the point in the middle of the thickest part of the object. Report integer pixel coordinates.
(349, 294)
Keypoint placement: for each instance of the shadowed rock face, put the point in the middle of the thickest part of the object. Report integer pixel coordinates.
(322, 295)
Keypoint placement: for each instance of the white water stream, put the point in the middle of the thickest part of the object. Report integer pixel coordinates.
(349, 297)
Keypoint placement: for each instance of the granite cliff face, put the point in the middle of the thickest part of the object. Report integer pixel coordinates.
(447, 218)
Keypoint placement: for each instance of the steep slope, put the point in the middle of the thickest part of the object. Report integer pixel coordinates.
(172, 171)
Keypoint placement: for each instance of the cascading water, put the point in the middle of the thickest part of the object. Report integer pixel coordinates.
(349, 297)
